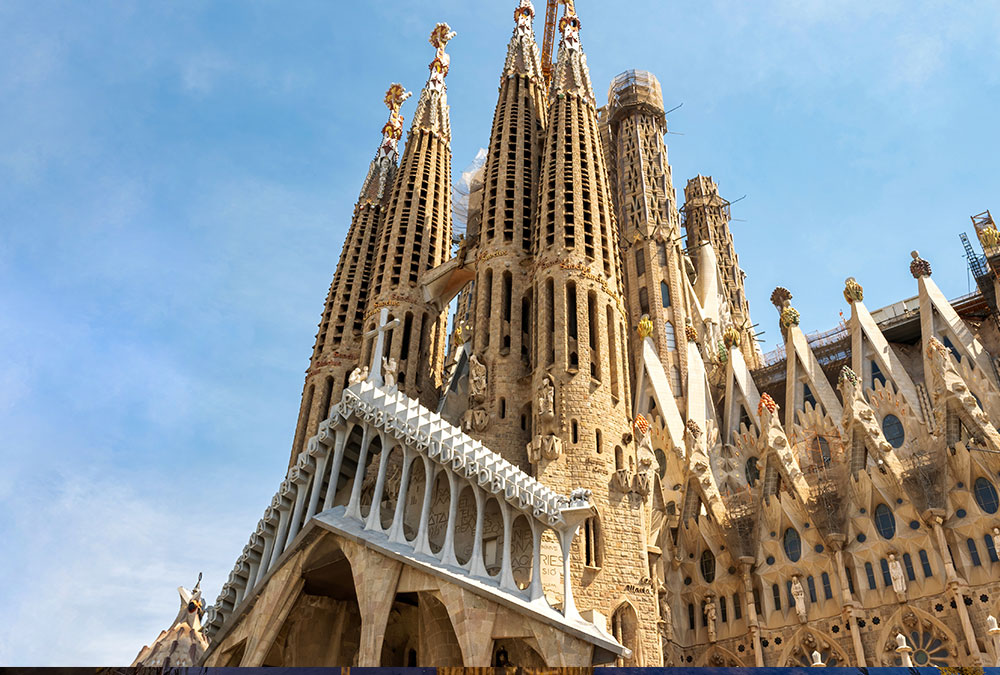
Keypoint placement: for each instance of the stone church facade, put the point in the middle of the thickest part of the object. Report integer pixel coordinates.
(600, 466)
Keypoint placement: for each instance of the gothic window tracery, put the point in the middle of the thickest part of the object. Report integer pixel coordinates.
(885, 521)
(986, 495)
(893, 430)
(793, 544)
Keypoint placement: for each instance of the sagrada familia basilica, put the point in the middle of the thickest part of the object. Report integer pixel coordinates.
(596, 464)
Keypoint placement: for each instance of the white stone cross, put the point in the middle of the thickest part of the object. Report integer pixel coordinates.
(375, 371)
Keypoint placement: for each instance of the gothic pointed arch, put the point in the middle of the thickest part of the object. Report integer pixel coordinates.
(624, 626)
(806, 640)
(933, 643)
(719, 657)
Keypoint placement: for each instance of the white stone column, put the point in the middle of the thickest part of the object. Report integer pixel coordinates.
(396, 533)
(354, 505)
(374, 520)
(506, 572)
(566, 544)
(338, 460)
(317, 484)
(422, 542)
(284, 507)
(253, 558)
(300, 482)
(269, 525)
(536, 591)
(476, 567)
(448, 550)
(994, 630)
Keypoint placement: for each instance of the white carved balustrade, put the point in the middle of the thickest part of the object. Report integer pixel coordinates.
(424, 439)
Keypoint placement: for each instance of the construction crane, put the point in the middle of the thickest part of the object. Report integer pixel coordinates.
(549, 37)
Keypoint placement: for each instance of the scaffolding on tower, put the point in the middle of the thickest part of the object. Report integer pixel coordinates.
(549, 37)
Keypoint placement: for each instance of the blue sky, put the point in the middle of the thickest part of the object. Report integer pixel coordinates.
(176, 180)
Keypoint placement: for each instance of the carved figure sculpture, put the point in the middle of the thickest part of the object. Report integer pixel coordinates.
(666, 622)
(477, 379)
(389, 366)
(709, 610)
(898, 580)
(799, 595)
(546, 398)
(996, 538)
(358, 375)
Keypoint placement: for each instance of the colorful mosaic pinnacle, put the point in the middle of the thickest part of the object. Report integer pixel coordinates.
(918, 266)
(847, 375)
(766, 403)
(789, 316)
(853, 292)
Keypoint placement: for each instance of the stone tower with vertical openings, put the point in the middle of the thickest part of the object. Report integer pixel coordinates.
(500, 407)
(338, 342)
(416, 236)
(706, 218)
(646, 206)
(581, 433)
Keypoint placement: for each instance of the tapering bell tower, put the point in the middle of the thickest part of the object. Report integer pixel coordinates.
(582, 410)
(499, 411)
(338, 342)
(706, 218)
(416, 237)
(646, 206)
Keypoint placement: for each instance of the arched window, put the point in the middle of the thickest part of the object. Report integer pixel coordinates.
(991, 548)
(691, 616)
(737, 611)
(885, 522)
(893, 430)
(619, 458)
(820, 451)
(708, 565)
(925, 564)
(661, 460)
(811, 583)
(877, 375)
(675, 380)
(669, 337)
(827, 589)
(592, 542)
(665, 294)
(793, 544)
(986, 495)
(752, 472)
(908, 564)
(886, 575)
(870, 573)
(723, 614)
(807, 396)
(973, 552)
(625, 629)
(776, 594)
(850, 578)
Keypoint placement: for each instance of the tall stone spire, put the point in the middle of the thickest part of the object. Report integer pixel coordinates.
(499, 411)
(581, 431)
(338, 342)
(706, 219)
(646, 206)
(416, 236)
(571, 75)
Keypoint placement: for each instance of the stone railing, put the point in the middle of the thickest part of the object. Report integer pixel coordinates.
(311, 487)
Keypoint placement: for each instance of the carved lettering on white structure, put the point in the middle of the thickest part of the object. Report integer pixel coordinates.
(552, 565)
